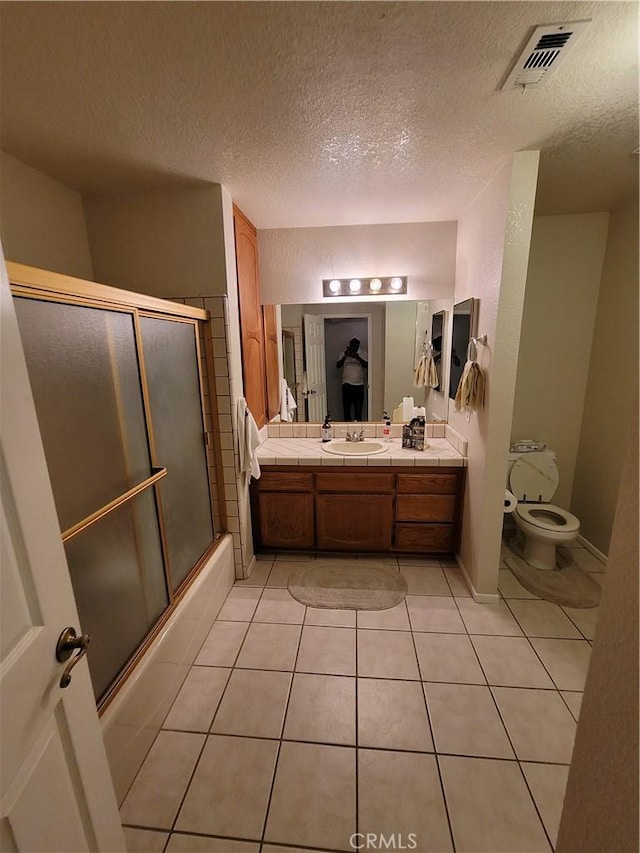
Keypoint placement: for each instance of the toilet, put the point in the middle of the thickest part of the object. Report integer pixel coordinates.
(533, 478)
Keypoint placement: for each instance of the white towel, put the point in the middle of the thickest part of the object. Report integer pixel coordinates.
(287, 402)
(248, 440)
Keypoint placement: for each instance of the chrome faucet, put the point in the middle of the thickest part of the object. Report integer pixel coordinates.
(355, 436)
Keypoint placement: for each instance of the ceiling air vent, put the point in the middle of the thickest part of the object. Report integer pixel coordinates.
(544, 51)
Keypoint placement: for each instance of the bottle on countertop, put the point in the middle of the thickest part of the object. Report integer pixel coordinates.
(386, 429)
(326, 428)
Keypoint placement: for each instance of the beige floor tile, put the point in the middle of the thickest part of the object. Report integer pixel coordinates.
(493, 619)
(314, 796)
(547, 783)
(266, 557)
(543, 619)
(322, 708)
(276, 605)
(510, 587)
(540, 725)
(392, 715)
(294, 557)
(490, 808)
(270, 647)
(322, 616)
(585, 618)
(456, 581)
(465, 721)
(240, 604)
(387, 654)
(328, 651)
(143, 840)
(377, 562)
(198, 699)
(510, 662)
(434, 613)
(566, 660)
(229, 792)
(259, 575)
(253, 704)
(417, 561)
(181, 843)
(156, 794)
(223, 644)
(399, 793)
(426, 580)
(275, 848)
(448, 657)
(573, 700)
(281, 570)
(583, 558)
(392, 619)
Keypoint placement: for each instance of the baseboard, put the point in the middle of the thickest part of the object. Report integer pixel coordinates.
(249, 569)
(592, 549)
(480, 597)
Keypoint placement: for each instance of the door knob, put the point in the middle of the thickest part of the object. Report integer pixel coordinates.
(68, 642)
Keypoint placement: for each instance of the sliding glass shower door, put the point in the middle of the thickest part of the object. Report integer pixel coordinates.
(118, 399)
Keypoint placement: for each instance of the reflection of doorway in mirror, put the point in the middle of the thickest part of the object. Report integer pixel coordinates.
(338, 331)
(290, 363)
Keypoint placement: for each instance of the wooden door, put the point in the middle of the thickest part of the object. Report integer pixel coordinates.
(251, 329)
(272, 362)
(286, 519)
(354, 522)
(315, 367)
(56, 792)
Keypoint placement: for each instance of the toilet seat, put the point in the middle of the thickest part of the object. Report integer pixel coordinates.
(548, 517)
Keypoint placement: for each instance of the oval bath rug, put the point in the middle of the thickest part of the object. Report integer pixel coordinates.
(352, 587)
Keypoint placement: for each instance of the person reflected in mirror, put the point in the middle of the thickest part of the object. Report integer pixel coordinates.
(353, 363)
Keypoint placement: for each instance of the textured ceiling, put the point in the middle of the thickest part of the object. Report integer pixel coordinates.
(319, 113)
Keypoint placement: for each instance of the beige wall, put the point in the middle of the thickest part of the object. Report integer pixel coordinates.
(563, 280)
(493, 250)
(294, 261)
(42, 221)
(165, 243)
(399, 352)
(600, 811)
(612, 382)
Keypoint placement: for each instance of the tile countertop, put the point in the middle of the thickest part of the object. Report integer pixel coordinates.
(308, 451)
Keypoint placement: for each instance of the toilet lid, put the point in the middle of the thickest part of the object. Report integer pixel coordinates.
(534, 477)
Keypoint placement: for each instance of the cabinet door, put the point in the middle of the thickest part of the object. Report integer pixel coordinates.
(354, 522)
(251, 333)
(286, 520)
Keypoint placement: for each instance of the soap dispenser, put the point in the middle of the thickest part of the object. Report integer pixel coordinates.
(386, 428)
(326, 428)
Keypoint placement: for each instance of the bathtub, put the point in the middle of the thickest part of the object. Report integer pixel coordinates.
(133, 719)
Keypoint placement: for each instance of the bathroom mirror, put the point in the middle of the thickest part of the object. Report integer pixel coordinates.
(465, 317)
(392, 335)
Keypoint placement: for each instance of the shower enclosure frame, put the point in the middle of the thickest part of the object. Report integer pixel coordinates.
(43, 285)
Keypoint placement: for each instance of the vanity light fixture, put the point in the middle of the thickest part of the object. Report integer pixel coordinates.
(390, 286)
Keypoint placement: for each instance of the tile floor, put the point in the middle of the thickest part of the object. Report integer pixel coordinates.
(298, 727)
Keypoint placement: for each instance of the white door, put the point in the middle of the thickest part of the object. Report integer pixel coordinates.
(56, 792)
(316, 375)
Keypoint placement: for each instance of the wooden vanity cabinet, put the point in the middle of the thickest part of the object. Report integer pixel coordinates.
(342, 509)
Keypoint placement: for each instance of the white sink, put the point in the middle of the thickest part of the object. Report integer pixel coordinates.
(355, 448)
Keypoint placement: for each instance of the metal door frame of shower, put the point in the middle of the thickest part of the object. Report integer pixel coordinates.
(33, 283)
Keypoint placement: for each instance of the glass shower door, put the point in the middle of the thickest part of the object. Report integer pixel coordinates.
(86, 380)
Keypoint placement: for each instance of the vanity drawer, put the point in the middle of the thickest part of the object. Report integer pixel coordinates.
(379, 482)
(425, 507)
(428, 484)
(285, 481)
(434, 538)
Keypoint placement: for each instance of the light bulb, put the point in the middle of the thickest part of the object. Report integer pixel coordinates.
(335, 286)
(375, 285)
(355, 285)
(395, 283)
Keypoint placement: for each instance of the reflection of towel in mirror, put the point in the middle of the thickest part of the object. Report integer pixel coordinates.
(470, 393)
(248, 440)
(426, 375)
(287, 402)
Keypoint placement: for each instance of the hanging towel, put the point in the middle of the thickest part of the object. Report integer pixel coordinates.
(432, 372)
(248, 440)
(420, 374)
(287, 402)
(470, 393)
